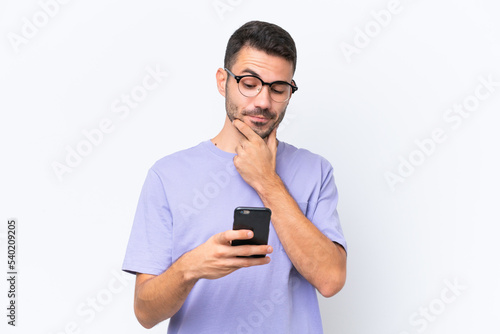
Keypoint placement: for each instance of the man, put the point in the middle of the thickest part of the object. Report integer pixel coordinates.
(180, 245)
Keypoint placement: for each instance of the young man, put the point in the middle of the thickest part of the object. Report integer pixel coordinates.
(180, 245)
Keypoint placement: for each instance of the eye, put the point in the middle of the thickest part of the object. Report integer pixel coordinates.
(279, 89)
(250, 83)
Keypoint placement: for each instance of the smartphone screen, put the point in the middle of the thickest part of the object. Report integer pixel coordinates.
(254, 219)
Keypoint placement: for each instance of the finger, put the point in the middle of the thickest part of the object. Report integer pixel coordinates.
(226, 237)
(245, 130)
(249, 250)
(241, 262)
(271, 140)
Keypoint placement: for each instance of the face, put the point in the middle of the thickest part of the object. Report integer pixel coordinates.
(260, 112)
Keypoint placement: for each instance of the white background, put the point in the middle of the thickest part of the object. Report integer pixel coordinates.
(407, 243)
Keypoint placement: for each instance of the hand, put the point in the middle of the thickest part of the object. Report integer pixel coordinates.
(255, 158)
(217, 258)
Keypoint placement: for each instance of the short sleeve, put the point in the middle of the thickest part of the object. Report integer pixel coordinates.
(323, 212)
(149, 249)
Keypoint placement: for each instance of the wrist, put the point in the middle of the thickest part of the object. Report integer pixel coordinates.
(269, 185)
(187, 270)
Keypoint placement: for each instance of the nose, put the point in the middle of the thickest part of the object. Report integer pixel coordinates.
(263, 99)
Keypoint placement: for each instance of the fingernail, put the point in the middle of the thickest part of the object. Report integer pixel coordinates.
(269, 249)
(249, 234)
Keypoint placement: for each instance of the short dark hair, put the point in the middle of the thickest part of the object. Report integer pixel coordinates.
(262, 36)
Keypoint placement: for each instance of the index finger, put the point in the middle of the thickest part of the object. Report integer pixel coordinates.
(271, 140)
(245, 130)
(230, 235)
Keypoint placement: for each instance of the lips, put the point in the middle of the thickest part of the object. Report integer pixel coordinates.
(258, 119)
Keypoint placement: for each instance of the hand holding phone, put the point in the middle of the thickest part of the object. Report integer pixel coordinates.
(256, 220)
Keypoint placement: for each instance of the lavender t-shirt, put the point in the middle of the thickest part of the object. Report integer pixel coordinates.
(189, 196)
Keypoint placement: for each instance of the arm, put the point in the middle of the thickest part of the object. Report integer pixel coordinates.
(321, 261)
(158, 298)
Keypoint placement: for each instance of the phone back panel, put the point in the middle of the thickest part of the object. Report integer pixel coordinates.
(254, 219)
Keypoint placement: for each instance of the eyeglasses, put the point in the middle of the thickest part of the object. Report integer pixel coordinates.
(251, 85)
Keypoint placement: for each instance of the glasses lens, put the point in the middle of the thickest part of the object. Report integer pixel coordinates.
(250, 86)
(280, 92)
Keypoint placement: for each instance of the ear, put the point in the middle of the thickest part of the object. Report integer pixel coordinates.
(291, 93)
(221, 77)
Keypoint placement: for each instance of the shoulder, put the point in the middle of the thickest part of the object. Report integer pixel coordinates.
(308, 176)
(180, 159)
(302, 157)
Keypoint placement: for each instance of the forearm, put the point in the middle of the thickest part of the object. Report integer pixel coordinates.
(321, 261)
(158, 298)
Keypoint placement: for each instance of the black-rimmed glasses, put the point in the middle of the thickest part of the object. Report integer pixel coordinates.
(251, 85)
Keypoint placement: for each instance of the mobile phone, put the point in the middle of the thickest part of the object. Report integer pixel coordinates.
(256, 220)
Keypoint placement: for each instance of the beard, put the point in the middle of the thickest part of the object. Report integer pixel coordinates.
(260, 128)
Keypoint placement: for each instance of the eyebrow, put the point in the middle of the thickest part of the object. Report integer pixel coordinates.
(252, 72)
(247, 70)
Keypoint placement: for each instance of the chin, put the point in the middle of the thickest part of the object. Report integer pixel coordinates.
(262, 133)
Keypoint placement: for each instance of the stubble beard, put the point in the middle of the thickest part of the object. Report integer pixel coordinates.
(232, 114)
